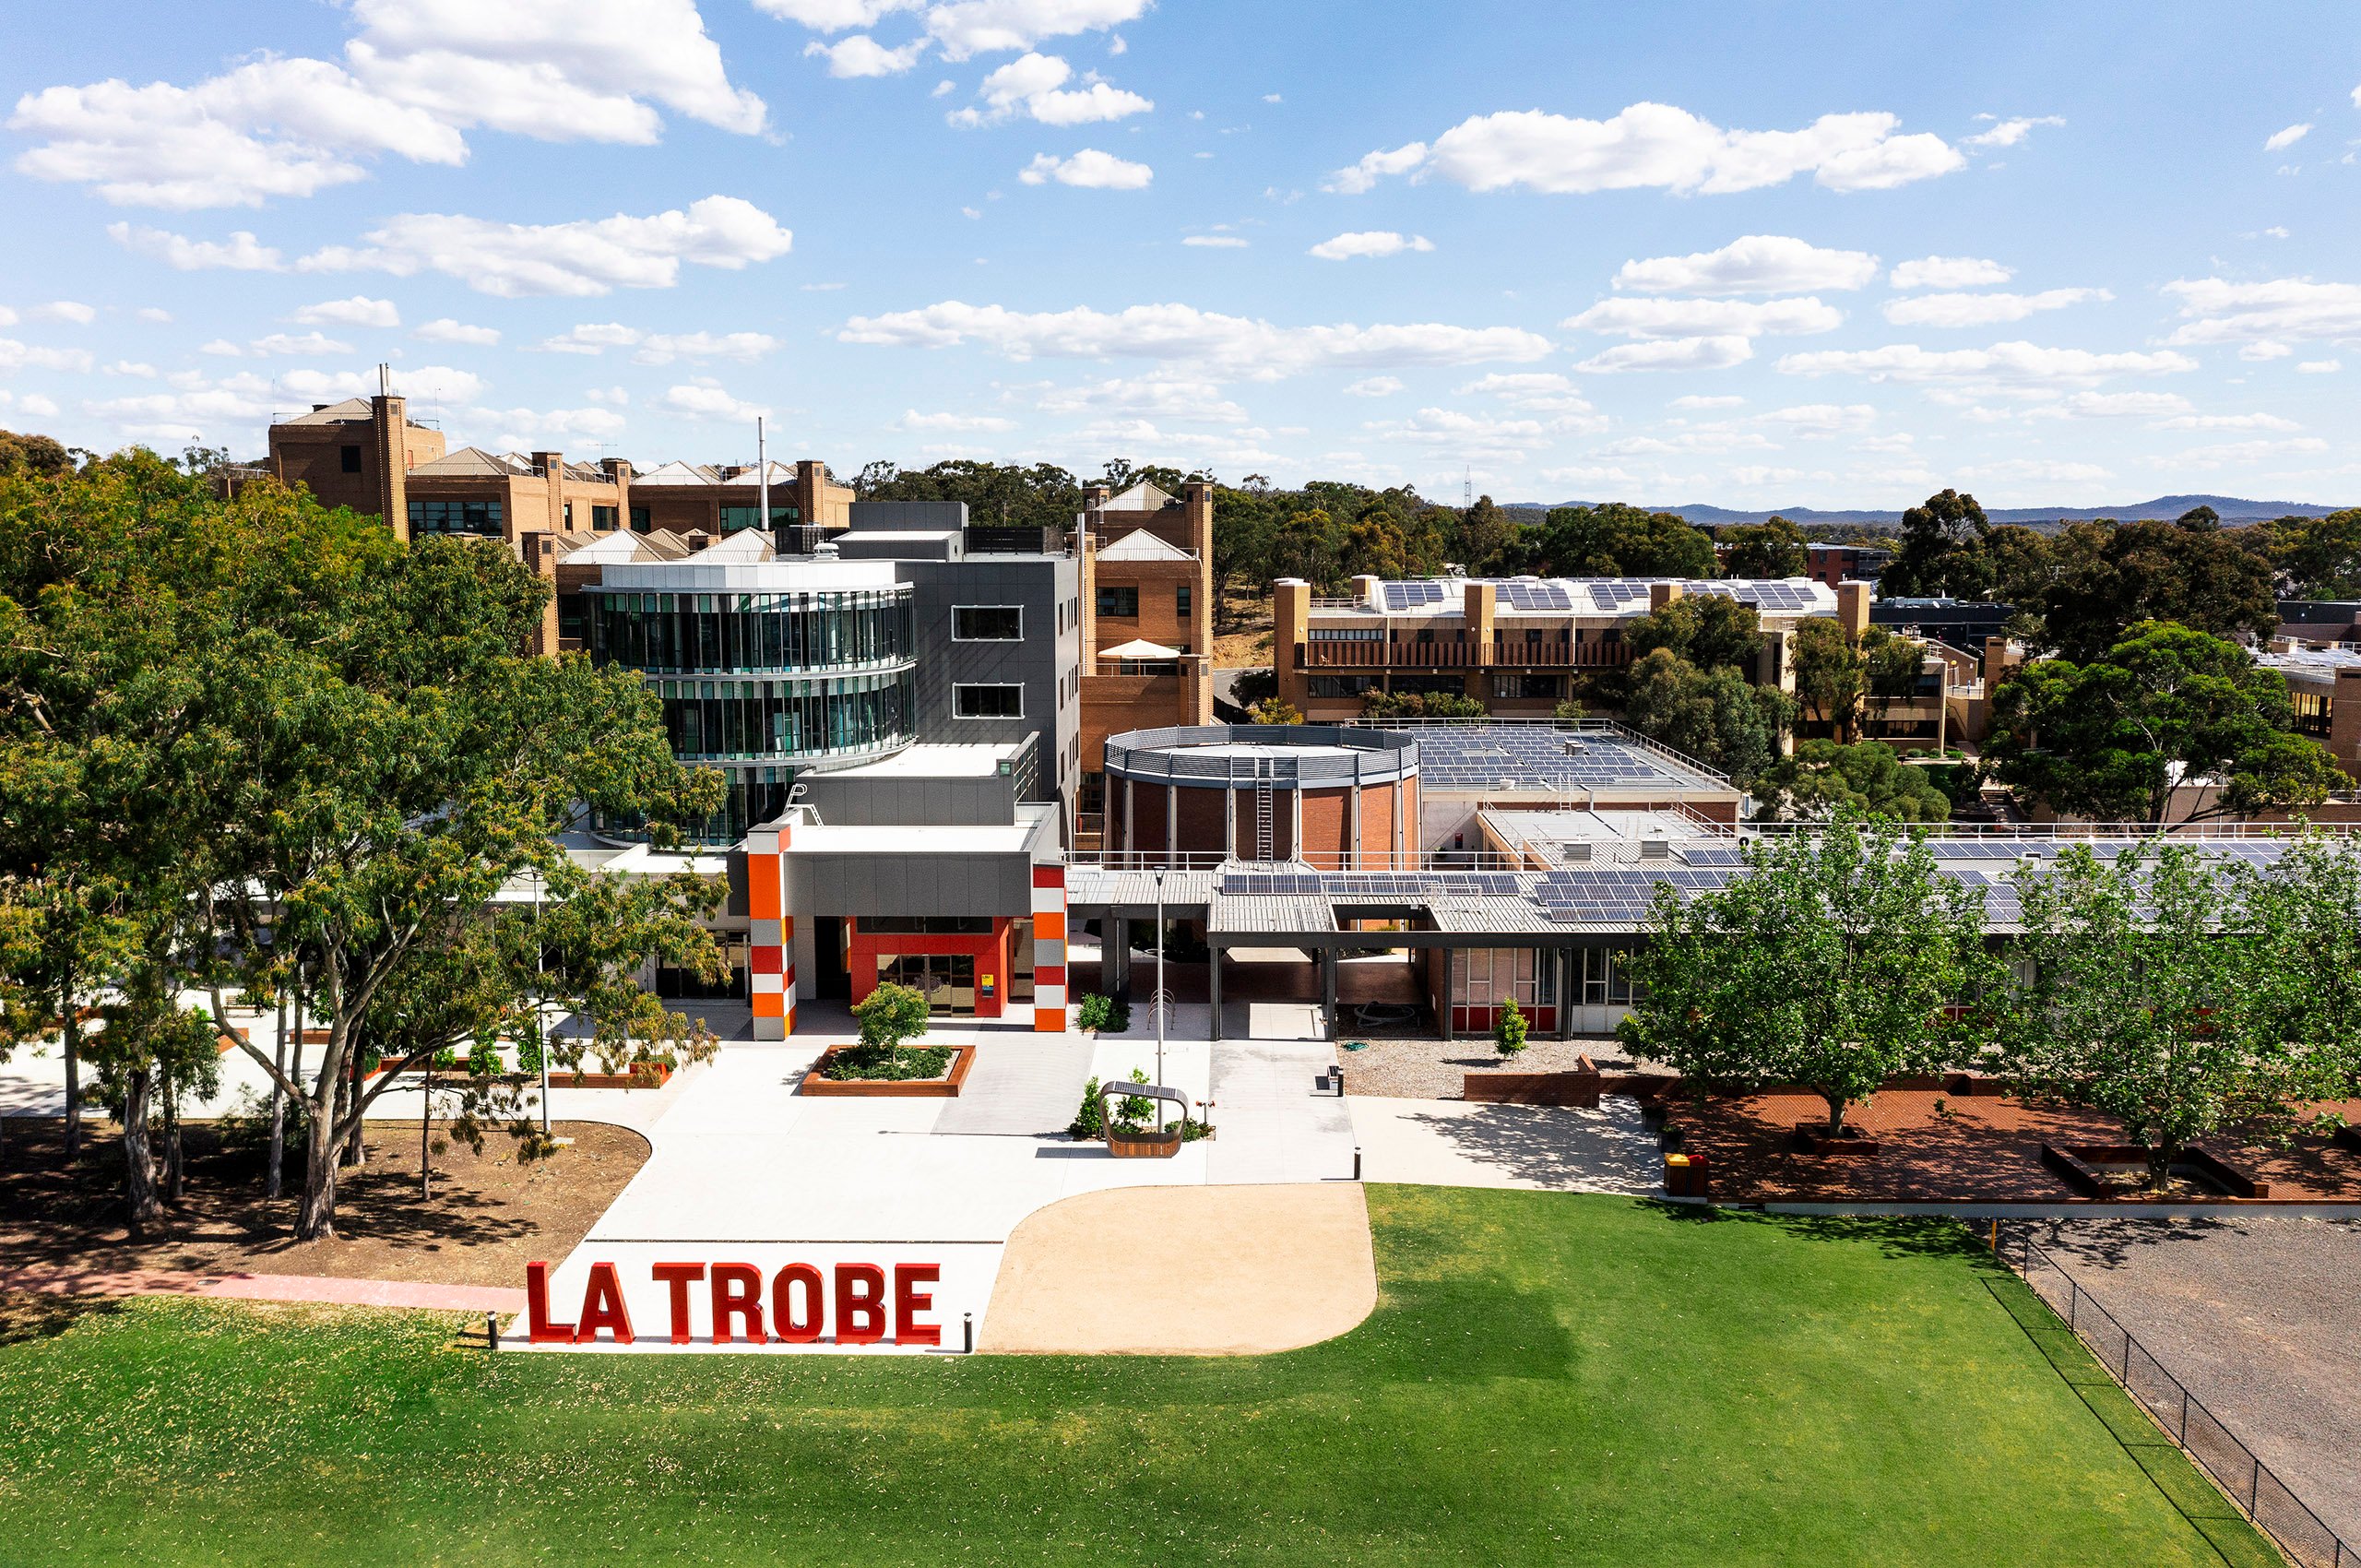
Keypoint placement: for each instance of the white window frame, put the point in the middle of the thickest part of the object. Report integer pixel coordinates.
(1017, 686)
(1020, 623)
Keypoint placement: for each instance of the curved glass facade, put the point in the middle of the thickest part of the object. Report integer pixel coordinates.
(765, 686)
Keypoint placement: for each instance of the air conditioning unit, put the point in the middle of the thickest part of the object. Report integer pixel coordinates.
(1656, 850)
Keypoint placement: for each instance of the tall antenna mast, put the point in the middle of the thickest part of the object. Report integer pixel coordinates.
(1466, 488)
(763, 474)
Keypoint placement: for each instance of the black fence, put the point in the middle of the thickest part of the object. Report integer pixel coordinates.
(2245, 1478)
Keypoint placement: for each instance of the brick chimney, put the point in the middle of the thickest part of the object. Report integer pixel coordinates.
(1853, 609)
(389, 450)
(552, 466)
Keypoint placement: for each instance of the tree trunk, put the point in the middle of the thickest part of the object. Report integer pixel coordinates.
(425, 1122)
(1835, 1116)
(2160, 1164)
(355, 1153)
(138, 1170)
(73, 1026)
(316, 1216)
(271, 1187)
(175, 1187)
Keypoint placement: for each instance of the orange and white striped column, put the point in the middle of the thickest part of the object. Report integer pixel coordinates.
(1050, 949)
(770, 935)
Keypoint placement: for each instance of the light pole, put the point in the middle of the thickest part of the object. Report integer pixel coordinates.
(540, 1019)
(1159, 974)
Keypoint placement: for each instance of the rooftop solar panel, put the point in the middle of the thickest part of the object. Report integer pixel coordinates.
(1412, 595)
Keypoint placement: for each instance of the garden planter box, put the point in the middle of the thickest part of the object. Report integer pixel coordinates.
(1579, 1087)
(1811, 1137)
(944, 1087)
(1144, 1146)
(2096, 1171)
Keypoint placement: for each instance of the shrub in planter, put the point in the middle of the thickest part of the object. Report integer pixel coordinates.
(1094, 1012)
(1508, 1035)
(889, 1016)
(483, 1061)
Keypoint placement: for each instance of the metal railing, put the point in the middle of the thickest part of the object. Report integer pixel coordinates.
(2249, 1484)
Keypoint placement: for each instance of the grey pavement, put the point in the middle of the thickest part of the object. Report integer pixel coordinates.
(2259, 1318)
(1458, 1143)
(1270, 1125)
(1024, 1087)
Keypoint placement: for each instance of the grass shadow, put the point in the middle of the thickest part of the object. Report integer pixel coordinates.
(27, 1315)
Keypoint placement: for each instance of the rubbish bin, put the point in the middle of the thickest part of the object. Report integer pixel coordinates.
(1676, 1176)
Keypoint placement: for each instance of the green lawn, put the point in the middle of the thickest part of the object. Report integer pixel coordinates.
(1547, 1379)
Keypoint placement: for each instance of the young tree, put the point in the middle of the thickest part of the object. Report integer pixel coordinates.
(1509, 1032)
(1714, 716)
(890, 1016)
(2143, 1003)
(2303, 915)
(1774, 548)
(1838, 960)
(2113, 739)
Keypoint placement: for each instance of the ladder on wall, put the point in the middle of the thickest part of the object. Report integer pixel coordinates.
(1264, 849)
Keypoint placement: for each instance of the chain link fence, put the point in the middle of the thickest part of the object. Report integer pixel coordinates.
(2246, 1480)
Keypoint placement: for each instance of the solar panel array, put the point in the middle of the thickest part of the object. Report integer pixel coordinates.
(1533, 756)
(1412, 595)
(1542, 596)
(1371, 886)
(1762, 595)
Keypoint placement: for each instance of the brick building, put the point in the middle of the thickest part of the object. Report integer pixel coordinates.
(1148, 618)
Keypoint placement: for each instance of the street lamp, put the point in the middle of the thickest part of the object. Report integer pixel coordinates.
(540, 1008)
(1159, 974)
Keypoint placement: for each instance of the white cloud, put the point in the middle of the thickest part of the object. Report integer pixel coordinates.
(132, 368)
(2003, 364)
(588, 257)
(1369, 243)
(2219, 311)
(1183, 334)
(1481, 435)
(1949, 272)
(1812, 419)
(1215, 241)
(74, 311)
(1694, 400)
(1540, 391)
(2053, 469)
(861, 56)
(240, 252)
(32, 403)
(2264, 350)
(243, 403)
(33, 356)
(660, 348)
(358, 311)
(2320, 367)
(1090, 169)
(154, 313)
(960, 423)
(1671, 353)
(2237, 454)
(1752, 264)
(447, 331)
(706, 400)
(2288, 137)
(835, 16)
(1034, 85)
(1983, 310)
(311, 345)
(987, 27)
(1374, 386)
(2229, 421)
(2110, 405)
(1706, 318)
(1657, 145)
(609, 397)
(524, 428)
(417, 76)
(2008, 133)
(1191, 400)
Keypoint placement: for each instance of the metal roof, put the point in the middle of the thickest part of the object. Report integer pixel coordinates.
(1270, 913)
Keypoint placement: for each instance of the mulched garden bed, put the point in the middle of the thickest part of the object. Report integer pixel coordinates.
(923, 1071)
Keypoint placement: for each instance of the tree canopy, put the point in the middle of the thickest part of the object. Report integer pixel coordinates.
(2109, 578)
(1617, 541)
(1773, 548)
(1711, 714)
(1821, 778)
(2112, 738)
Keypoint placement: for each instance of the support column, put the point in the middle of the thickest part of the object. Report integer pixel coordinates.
(1115, 958)
(1229, 819)
(1050, 949)
(1328, 989)
(1171, 820)
(1213, 975)
(770, 935)
(1569, 978)
(1131, 844)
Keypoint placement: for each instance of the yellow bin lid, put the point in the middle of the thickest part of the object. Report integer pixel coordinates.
(1676, 1159)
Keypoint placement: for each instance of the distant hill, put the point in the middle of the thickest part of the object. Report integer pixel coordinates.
(2231, 508)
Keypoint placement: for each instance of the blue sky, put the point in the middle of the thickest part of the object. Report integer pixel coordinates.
(1752, 255)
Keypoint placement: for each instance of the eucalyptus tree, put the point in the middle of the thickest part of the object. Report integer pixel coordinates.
(1838, 958)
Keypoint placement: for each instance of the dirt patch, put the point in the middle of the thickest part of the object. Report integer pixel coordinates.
(488, 1217)
(1233, 1271)
(1242, 634)
(1436, 1069)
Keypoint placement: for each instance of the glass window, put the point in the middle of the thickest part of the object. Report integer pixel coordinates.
(348, 459)
(603, 518)
(736, 518)
(987, 623)
(1180, 600)
(642, 520)
(988, 702)
(925, 925)
(455, 517)
(1122, 603)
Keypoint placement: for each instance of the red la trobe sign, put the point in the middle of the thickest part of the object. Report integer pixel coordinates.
(864, 1302)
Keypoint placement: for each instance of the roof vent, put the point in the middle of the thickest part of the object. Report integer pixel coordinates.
(1656, 850)
(1577, 853)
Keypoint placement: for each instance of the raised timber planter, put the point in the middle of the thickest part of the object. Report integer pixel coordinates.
(944, 1087)
(1812, 1138)
(2111, 1172)
(1579, 1087)
(1144, 1146)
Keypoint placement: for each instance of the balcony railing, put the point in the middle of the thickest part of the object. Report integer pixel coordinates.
(1370, 655)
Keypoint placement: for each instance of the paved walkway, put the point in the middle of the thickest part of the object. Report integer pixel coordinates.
(407, 1293)
(1023, 1088)
(1456, 1142)
(1270, 1125)
(1186, 1271)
